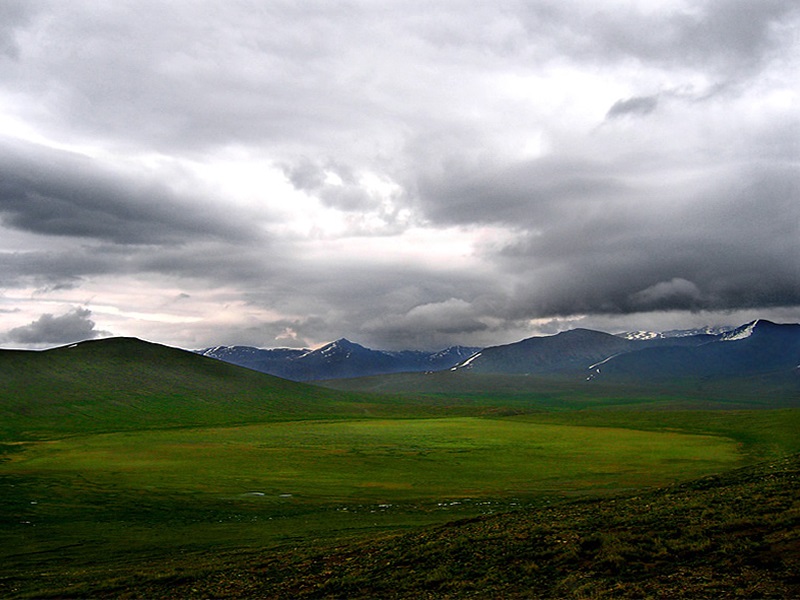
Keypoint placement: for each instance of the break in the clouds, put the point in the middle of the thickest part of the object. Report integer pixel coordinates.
(403, 174)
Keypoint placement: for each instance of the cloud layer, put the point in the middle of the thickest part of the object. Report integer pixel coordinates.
(48, 330)
(398, 173)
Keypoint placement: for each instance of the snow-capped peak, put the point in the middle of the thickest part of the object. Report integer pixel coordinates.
(740, 333)
(640, 335)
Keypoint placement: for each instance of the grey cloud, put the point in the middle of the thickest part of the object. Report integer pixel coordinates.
(73, 265)
(47, 269)
(335, 184)
(688, 209)
(638, 105)
(432, 324)
(14, 14)
(299, 77)
(727, 38)
(287, 333)
(60, 193)
(73, 326)
(675, 294)
(725, 248)
(530, 194)
(202, 75)
(305, 174)
(371, 304)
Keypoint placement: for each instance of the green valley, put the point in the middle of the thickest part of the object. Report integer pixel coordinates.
(133, 470)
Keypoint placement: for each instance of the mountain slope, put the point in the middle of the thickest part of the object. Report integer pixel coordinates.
(760, 348)
(125, 383)
(767, 353)
(568, 351)
(337, 360)
(269, 361)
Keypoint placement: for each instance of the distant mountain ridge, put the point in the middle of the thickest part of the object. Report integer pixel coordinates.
(337, 360)
(757, 349)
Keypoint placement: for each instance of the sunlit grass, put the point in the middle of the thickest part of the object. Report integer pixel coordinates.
(382, 460)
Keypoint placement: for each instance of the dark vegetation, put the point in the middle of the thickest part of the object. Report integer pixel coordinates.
(135, 470)
(735, 535)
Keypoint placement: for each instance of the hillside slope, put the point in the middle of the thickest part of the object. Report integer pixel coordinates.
(568, 351)
(126, 383)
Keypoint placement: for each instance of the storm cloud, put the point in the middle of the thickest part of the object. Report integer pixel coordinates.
(402, 174)
(73, 326)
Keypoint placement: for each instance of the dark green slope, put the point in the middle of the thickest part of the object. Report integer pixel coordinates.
(126, 383)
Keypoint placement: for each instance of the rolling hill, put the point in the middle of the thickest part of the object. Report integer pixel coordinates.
(126, 383)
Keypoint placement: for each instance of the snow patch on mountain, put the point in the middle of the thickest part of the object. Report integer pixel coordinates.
(640, 335)
(675, 333)
(740, 333)
(466, 363)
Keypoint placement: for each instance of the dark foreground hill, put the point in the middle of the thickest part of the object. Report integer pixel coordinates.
(735, 535)
(125, 383)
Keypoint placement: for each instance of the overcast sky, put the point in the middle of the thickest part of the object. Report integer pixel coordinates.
(404, 174)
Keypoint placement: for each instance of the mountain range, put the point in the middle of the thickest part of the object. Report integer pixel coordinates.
(757, 349)
(337, 360)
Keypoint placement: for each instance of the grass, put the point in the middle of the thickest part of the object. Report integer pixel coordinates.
(74, 502)
(134, 470)
(733, 535)
(380, 460)
(532, 393)
(124, 384)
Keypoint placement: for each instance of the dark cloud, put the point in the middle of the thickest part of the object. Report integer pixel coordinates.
(281, 160)
(639, 105)
(73, 326)
(724, 248)
(63, 194)
(51, 269)
(529, 194)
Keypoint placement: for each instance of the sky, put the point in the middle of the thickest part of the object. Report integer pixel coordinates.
(404, 174)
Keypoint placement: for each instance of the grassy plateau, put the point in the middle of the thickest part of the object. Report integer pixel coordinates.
(134, 470)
